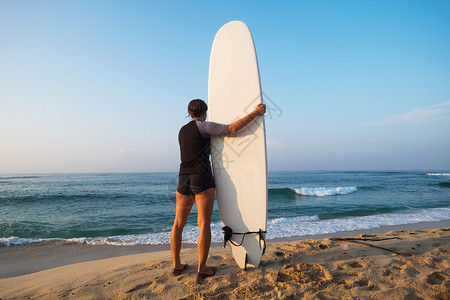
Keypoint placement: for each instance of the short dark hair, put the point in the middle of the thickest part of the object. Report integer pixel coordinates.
(197, 107)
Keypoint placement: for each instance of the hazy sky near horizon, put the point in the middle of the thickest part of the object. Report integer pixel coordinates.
(102, 86)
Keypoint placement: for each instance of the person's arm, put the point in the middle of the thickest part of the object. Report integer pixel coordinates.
(241, 123)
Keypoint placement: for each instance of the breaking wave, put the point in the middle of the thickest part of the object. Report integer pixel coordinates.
(325, 191)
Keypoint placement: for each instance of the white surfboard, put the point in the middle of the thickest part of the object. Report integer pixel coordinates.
(239, 160)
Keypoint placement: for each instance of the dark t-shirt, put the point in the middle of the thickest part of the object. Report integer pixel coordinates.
(194, 140)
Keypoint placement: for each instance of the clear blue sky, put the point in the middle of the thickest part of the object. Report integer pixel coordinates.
(102, 86)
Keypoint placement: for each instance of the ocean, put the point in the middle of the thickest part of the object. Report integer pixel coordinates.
(138, 208)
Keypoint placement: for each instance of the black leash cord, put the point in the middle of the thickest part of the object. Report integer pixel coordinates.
(228, 232)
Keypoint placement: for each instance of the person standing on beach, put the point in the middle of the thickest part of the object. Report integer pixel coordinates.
(196, 181)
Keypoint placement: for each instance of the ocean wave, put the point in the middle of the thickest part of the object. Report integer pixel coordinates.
(371, 188)
(276, 228)
(303, 228)
(13, 240)
(312, 191)
(282, 192)
(325, 191)
(445, 184)
(280, 221)
(438, 174)
(19, 177)
(159, 238)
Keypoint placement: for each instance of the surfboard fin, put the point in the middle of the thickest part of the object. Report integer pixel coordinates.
(246, 261)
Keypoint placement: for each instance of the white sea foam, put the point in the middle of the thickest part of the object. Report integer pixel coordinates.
(276, 228)
(438, 174)
(13, 240)
(127, 240)
(325, 191)
(294, 228)
(281, 221)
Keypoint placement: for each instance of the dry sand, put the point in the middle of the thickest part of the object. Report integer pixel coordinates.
(401, 264)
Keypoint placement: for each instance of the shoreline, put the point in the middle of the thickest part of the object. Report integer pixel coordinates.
(19, 260)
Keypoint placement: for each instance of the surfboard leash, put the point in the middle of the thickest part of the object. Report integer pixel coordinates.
(228, 233)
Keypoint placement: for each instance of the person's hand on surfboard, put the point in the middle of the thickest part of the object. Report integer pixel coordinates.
(238, 125)
(260, 109)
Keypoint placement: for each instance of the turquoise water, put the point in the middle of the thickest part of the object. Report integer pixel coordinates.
(138, 208)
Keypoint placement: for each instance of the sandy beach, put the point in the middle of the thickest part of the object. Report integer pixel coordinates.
(409, 262)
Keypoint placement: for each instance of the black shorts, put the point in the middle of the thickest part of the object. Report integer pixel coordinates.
(194, 183)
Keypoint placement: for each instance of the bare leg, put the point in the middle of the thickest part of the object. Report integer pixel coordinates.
(183, 208)
(205, 204)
